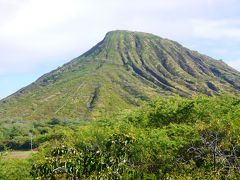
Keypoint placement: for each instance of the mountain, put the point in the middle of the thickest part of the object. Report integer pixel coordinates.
(120, 72)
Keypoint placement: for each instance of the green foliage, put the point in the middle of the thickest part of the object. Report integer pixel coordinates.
(16, 136)
(90, 162)
(15, 169)
(170, 138)
(165, 111)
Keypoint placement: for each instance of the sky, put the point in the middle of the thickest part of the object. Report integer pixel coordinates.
(37, 36)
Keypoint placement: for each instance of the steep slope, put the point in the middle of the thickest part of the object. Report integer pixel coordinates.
(120, 72)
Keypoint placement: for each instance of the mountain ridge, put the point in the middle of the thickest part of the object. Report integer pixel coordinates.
(120, 72)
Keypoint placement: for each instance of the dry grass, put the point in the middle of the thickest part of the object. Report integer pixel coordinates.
(19, 154)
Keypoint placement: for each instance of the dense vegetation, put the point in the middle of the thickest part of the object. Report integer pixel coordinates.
(170, 138)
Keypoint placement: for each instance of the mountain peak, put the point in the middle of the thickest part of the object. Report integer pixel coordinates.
(120, 34)
(129, 33)
(114, 32)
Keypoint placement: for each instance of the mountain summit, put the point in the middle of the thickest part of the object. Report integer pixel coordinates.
(120, 72)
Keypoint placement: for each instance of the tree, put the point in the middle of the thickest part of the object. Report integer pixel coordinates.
(209, 152)
(108, 161)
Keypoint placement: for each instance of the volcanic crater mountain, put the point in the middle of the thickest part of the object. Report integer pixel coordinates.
(120, 72)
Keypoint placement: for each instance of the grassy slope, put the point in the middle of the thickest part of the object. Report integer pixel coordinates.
(120, 72)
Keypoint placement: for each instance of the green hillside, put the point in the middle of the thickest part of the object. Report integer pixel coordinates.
(119, 73)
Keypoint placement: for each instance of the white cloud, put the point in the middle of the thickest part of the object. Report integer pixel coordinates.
(217, 29)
